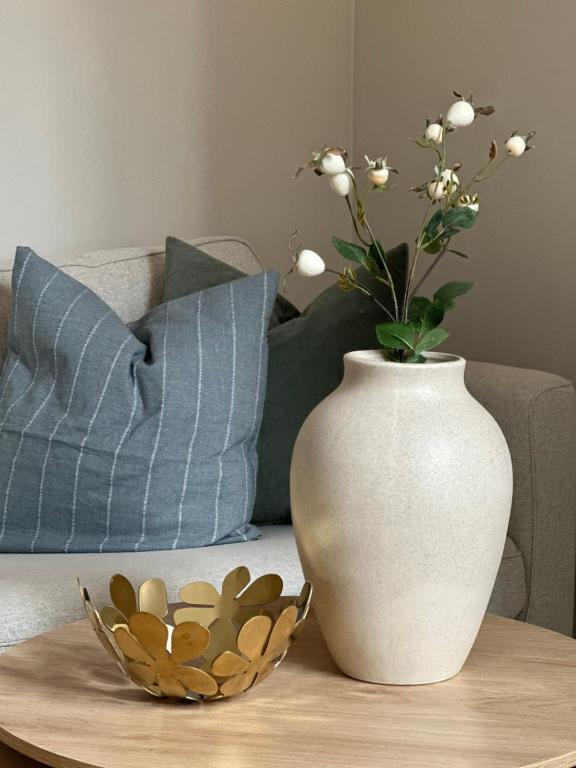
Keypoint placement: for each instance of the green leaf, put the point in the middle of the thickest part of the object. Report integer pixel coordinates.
(418, 308)
(349, 251)
(396, 335)
(434, 233)
(445, 224)
(425, 314)
(450, 291)
(463, 218)
(431, 229)
(371, 265)
(458, 253)
(434, 247)
(416, 359)
(431, 339)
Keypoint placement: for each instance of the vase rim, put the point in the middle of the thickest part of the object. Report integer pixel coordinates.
(375, 357)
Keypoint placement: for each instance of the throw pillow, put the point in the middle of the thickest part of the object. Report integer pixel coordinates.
(188, 269)
(305, 359)
(116, 438)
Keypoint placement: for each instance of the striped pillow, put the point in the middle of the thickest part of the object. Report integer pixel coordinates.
(116, 438)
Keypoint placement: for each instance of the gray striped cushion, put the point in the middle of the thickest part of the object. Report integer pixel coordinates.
(116, 438)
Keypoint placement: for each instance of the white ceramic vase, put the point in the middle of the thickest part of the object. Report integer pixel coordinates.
(401, 487)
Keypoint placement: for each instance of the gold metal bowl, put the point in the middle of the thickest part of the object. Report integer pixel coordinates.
(209, 646)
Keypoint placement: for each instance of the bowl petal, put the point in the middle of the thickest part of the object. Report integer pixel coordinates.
(253, 636)
(197, 681)
(152, 597)
(150, 631)
(189, 641)
(229, 664)
(123, 595)
(130, 647)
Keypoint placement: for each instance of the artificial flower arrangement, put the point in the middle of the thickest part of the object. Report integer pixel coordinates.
(413, 325)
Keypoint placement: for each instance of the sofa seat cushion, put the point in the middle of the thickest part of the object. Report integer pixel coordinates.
(39, 592)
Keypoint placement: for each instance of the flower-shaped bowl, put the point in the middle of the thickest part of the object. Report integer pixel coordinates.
(208, 646)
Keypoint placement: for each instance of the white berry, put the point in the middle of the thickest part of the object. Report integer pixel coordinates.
(461, 114)
(472, 202)
(445, 185)
(434, 132)
(515, 146)
(309, 264)
(341, 183)
(332, 164)
(378, 176)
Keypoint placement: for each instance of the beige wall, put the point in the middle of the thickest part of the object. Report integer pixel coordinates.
(122, 121)
(520, 56)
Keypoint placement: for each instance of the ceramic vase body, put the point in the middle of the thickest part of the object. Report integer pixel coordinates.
(401, 488)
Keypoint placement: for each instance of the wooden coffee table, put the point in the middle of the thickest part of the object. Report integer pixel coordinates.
(62, 702)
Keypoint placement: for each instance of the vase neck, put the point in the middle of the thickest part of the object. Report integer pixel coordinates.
(441, 372)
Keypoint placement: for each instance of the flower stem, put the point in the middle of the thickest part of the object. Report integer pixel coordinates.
(354, 222)
(478, 176)
(410, 292)
(427, 273)
(375, 243)
(387, 269)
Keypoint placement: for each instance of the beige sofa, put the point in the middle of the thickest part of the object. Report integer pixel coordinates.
(537, 412)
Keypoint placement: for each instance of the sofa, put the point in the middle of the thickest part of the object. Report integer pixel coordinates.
(536, 411)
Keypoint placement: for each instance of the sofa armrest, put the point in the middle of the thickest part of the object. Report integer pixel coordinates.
(537, 414)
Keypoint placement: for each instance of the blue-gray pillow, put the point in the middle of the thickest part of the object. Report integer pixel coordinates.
(116, 438)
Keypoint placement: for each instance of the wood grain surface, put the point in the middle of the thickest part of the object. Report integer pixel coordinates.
(63, 703)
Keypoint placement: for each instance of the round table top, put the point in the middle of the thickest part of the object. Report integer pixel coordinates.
(62, 702)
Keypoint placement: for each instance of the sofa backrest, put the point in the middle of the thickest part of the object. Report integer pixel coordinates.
(130, 280)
